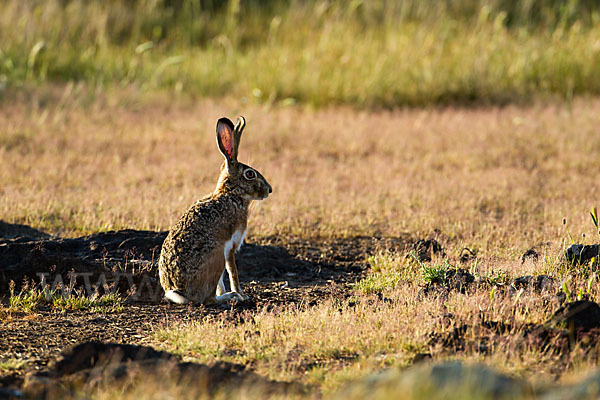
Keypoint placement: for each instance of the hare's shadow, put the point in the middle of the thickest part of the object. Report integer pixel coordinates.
(27, 252)
(302, 263)
(267, 263)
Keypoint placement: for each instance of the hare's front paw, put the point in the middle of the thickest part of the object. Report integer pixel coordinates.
(243, 296)
(231, 296)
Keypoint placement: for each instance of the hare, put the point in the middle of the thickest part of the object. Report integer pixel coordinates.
(202, 244)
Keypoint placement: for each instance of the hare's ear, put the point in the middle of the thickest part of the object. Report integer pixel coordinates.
(240, 124)
(226, 139)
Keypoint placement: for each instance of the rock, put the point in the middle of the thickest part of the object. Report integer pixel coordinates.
(467, 255)
(588, 389)
(581, 254)
(421, 357)
(539, 283)
(38, 387)
(449, 380)
(466, 336)
(459, 279)
(9, 394)
(530, 254)
(579, 315)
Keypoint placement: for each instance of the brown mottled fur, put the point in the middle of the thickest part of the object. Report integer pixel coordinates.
(193, 256)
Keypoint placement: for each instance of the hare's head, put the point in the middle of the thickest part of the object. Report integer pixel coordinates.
(238, 178)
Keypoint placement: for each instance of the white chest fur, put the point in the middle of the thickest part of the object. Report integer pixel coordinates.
(235, 242)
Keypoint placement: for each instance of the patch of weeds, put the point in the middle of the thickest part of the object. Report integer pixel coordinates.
(435, 273)
(382, 262)
(12, 364)
(378, 282)
(26, 301)
(31, 300)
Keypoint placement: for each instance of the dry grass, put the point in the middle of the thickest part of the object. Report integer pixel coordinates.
(306, 343)
(498, 180)
(328, 344)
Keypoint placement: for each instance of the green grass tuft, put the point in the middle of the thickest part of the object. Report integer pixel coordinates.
(32, 299)
(12, 364)
(435, 273)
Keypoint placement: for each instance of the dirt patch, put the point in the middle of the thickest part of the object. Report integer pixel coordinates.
(127, 261)
(10, 231)
(84, 365)
(273, 271)
(101, 259)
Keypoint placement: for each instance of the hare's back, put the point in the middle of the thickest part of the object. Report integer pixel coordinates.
(191, 240)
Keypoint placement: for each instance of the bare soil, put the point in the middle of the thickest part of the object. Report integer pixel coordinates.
(273, 271)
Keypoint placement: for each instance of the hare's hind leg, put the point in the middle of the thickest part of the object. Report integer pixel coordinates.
(221, 285)
(234, 295)
(222, 297)
(225, 297)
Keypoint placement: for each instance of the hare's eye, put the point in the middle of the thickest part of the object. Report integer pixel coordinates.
(250, 174)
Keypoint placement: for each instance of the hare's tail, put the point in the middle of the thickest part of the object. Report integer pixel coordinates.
(176, 297)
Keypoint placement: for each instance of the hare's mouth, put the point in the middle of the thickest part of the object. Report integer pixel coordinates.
(261, 197)
(257, 197)
(267, 192)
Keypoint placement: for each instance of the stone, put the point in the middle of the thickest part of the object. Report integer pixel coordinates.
(448, 380)
(581, 254)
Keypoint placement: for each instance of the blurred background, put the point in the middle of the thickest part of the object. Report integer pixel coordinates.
(364, 53)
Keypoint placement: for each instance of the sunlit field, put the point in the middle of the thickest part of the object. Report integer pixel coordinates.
(500, 180)
(381, 126)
